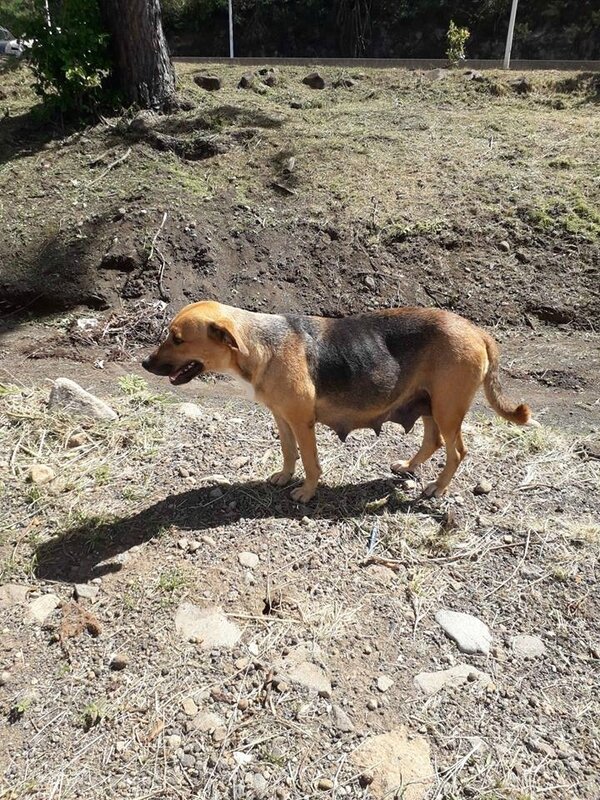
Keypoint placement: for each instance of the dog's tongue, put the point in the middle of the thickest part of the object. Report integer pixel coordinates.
(174, 375)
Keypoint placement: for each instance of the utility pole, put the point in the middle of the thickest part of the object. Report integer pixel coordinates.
(511, 30)
(230, 28)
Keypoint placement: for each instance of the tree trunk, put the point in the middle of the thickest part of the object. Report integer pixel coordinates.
(142, 66)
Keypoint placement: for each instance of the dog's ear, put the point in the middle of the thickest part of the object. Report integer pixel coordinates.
(225, 331)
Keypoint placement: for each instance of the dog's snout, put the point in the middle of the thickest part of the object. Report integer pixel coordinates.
(146, 363)
(156, 367)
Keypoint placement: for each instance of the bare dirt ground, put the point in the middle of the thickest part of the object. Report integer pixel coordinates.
(320, 617)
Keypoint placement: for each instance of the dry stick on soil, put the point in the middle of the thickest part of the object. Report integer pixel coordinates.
(114, 163)
(514, 572)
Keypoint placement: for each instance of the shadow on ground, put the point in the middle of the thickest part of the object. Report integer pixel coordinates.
(86, 551)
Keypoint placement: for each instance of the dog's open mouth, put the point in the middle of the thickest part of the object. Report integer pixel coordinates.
(185, 373)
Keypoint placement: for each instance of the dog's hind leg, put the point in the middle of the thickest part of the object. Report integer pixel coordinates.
(290, 453)
(455, 454)
(432, 441)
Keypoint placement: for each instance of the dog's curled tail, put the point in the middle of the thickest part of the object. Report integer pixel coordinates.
(519, 413)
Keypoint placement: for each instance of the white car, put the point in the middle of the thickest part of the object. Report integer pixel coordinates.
(9, 45)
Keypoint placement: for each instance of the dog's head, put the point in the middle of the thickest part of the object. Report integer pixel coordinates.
(202, 337)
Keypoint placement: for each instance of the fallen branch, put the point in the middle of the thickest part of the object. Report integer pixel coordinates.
(113, 164)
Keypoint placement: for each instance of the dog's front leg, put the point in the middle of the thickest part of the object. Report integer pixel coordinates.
(290, 453)
(304, 431)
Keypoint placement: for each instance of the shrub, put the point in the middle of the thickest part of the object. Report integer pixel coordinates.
(69, 57)
(456, 39)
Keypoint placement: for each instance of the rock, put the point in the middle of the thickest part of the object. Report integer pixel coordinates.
(432, 682)
(325, 784)
(142, 123)
(296, 104)
(189, 410)
(470, 634)
(269, 77)
(209, 627)
(344, 83)
(193, 546)
(239, 462)
(341, 720)
(4, 677)
(206, 721)
(504, 246)
(85, 591)
(208, 82)
(260, 785)
(119, 662)
(248, 559)
(436, 74)
(206, 539)
(393, 760)
(188, 704)
(247, 80)
(383, 575)
(76, 440)
(372, 704)
(369, 282)
(521, 86)
(310, 675)
(483, 487)
(474, 75)
(541, 747)
(315, 80)
(13, 594)
(242, 759)
(219, 734)
(67, 395)
(40, 474)
(173, 741)
(384, 683)
(41, 608)
(187, 760)
(183, 543)
(525, 646)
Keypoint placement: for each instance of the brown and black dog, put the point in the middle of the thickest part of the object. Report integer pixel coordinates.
(356, 372)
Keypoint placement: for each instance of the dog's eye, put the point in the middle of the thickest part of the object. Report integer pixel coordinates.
(177, 340)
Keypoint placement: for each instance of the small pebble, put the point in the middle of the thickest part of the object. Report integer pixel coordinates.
(119, 661)
(372, 704)
(324, 784)
(483, 487)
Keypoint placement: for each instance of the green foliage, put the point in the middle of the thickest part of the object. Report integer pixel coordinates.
(69, 58)
(456, 39)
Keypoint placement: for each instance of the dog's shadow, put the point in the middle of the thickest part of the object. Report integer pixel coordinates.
(92, 548)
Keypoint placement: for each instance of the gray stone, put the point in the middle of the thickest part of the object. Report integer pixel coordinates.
(504, 246)
(525, 646)
(119, 662)
(13, 594)
(4, 677)
(384, 683)
(211, 83)
(432, 682)
(470, 634)
(315, 80)
(40, 474)
(189, 706)
(206, 721)
(260, 785)
(310, 675)
(189, 410)
(173, 741)
(41, 608)
(393, 760)
(86, 591)
(341, 720)
(209, 627)
(248, 559)
(66, 395)
(483, 487)
(247, 80)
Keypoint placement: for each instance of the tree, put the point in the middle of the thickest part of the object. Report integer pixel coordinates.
(142, 66)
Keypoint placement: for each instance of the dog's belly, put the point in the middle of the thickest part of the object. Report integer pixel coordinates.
(406, 411)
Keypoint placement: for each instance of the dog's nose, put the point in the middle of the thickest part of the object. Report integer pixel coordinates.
(146, 363)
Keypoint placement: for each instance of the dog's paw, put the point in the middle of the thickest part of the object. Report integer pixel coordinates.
(280, 478)
(433, 490)
(302, 494)
(400, 467)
